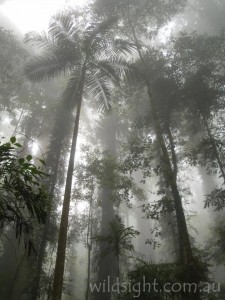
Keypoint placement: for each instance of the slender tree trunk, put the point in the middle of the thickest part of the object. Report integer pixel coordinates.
(172, 148)
(42, 246)
(40, 259)
(88, 273)
(89, 243)
(44, 238)
(28, 132)
(118, 273)
(19, 120)
(61, 250)
(60, 132)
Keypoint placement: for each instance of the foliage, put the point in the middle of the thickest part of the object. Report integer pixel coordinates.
(12, 55)
(147, 16)
(107, 172)
(158, 208)
(203, 96)
(139, 156)
(22, 196)
(119, 237)
(204, 153)
(84, 52)
(154, 279)
(216, 199)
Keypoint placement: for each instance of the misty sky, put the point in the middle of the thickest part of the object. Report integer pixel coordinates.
(28, 15)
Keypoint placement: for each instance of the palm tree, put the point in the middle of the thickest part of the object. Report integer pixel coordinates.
(92, 60)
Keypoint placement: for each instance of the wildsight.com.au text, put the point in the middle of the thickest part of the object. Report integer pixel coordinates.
(107, 286)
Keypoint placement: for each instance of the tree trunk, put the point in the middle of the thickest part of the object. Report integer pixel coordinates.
(118, 274)
(61, 250)
(172, 148)
(89, 243)
(88, 273)
(186, 255)
(108, 263)
(59, 135)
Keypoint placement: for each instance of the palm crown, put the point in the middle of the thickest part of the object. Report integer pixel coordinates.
(88, 52)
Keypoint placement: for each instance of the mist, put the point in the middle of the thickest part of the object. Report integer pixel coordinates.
(112, 150)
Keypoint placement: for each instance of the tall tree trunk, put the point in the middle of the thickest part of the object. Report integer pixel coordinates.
(61, 249)
(89, 242)
(88, 273)
(59, 135)
(172, 224)
(107, 263)
(186, 255)
(172, 149)
(118, 273)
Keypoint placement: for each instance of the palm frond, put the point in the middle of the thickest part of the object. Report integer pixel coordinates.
(65, 31)
(65, 20)
(98, 89)
(95, 33)
(105, 69)
(52, 48)
(46, 67)
(115, 48)
(124, 69)
(124, 47)
(39, 40)
(71, 91)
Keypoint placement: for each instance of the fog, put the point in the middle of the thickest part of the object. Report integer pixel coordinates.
(112, 162)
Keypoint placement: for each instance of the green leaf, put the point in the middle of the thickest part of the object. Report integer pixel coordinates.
(42, 161)
(18, 145)
(21, 160)
(29, 157)
(13, 139)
